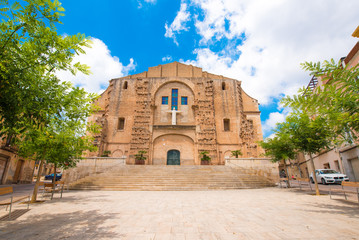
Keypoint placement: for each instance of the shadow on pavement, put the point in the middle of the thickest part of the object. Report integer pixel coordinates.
(76, 200)
(350, 209)
(14, 215)
(74, 225)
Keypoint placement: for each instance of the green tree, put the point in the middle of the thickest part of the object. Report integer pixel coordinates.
(63, 139)
(43, 116)
(280, 148)
(336, 100)
(309, 135)
(236, 153)
(333, 104)
(30, 53)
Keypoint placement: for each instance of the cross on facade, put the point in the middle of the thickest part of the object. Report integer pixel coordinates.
(174, 115)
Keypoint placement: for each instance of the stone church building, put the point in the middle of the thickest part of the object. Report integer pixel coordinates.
(174, 112)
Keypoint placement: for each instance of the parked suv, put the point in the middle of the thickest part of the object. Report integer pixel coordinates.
(51, 176)
(326, 176)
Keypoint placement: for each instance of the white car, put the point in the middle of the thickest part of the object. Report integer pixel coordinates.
(326, 176)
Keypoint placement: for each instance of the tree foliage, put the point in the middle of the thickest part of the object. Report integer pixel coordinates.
(30, 53)
(204, 156)
(324, 116)
(236, 153)
(307, 134)
(279, 147)
(336, 100)
(141, 155)
(299, 133)
(44, 117)
(63, 140)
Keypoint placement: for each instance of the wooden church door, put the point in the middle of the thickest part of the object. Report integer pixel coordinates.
(173, 157)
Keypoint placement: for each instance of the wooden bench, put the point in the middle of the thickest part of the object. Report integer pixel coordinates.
(344, 191)
(12, 199)
(305, 182)
(51, 189)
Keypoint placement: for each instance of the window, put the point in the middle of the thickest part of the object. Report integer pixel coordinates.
(121, 124)
(326, 166)
(226, 125)
(183, 100)
(164, 100)
(336, 163)
(174, 100)
(125, 85)
(223, 86)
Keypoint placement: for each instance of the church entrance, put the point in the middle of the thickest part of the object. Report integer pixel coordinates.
(173, 157)
(173, 149)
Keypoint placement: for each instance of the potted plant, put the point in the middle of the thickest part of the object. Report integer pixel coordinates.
(140, 158)
(205, 159)
(106, 153)
(236, 153)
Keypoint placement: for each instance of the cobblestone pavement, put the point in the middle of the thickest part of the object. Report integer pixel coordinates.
(269, 213)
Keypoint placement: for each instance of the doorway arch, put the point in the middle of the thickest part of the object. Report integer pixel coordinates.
(173, 157)
(182, 143)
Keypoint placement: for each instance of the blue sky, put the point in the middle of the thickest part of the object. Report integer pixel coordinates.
(258, 42)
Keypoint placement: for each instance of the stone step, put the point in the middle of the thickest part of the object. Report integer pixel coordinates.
(159, 178)
(173, 183)
(168, 182)
(161, 188)
(170, 178)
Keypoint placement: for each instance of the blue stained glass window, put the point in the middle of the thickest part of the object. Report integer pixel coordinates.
(174, 100)
(164, 100)
(183, 100)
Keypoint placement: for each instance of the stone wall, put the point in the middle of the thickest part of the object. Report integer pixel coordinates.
(92, 165)
(257, 166)
(15, 169)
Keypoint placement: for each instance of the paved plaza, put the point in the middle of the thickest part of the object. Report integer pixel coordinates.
(269, 213)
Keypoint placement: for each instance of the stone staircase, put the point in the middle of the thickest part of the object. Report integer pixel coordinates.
(170, 178)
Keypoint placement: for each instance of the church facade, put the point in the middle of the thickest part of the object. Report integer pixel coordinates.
(174, 112)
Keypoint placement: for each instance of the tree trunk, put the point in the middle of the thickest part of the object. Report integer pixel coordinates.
(286, 169)
(34, 193)
(300, 172)
(313, 174)
(54, 179)
(286, 173)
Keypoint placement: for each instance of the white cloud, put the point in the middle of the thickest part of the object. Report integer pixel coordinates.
(141, 2)
(179, 23)
(279, 36)
(103, 66)
(167, 58)
(217, 12)
(270, 123)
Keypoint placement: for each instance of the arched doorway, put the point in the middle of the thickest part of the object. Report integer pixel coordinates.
(173, 157)
(165, 143)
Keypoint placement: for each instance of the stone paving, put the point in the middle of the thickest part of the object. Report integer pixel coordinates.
(269, 213)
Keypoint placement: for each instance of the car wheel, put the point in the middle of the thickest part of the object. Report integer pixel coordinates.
(323, 181)
(311, 180)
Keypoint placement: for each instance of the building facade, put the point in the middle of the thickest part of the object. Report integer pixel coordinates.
(14, 169)
(174, 112)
